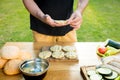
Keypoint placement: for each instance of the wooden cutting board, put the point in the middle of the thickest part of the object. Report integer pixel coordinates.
(84, 70)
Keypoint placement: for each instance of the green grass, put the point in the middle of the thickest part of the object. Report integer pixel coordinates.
(101, 20)
(14, 22)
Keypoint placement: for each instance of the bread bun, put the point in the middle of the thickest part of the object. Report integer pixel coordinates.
(71, 55)
(10, 52)
(45, 54)
(12, 67)
(56, 48)
(69, 48)
(25, 55)
(58, 54)
(62, 22)
(2, 62)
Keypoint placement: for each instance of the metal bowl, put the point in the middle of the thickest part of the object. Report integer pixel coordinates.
(34, 67)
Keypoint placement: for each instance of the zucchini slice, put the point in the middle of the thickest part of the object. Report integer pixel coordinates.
(104, 71)
(113, 76)
(95, 77)
(91, 72)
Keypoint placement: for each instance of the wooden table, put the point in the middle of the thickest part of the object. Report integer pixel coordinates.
(62, 70)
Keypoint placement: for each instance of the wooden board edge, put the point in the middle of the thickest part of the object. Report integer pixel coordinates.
(83, 71)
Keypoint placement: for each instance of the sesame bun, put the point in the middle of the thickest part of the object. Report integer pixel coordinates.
(25, 55)
(45, 54)
(12, 67)
(10, 52)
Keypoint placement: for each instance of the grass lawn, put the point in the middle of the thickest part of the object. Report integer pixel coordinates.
(101, 20)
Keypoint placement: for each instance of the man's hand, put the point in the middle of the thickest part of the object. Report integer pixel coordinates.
(75, 20)
(54, 23)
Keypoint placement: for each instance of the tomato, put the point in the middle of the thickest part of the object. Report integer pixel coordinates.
(102, 49)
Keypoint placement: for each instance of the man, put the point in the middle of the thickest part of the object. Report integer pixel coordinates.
(45, 13)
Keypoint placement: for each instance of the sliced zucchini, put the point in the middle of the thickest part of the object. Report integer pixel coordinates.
(113, 76)
(91, 72)
(104, 71)
(95, 77)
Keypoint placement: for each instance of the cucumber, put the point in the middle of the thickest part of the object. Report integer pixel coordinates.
(95, 77)
(91, 72)
(112, 77)
(112, 43)
(104, 71)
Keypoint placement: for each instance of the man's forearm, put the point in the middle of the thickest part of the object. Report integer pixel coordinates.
(82, 5)
(33, 9)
